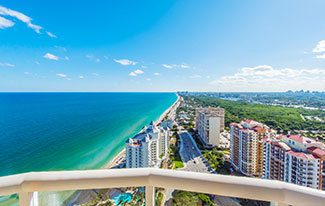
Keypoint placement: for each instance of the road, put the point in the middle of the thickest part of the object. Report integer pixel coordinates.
(191, 155)
(194, 161)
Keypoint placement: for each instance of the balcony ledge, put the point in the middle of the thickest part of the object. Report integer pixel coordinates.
(242, 187)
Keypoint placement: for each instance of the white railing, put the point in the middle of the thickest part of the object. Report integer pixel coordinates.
(278, 192)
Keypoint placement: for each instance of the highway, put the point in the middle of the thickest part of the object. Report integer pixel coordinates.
(191, 154)
(192, 157)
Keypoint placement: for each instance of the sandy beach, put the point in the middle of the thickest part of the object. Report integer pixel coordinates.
(116, 162)
(120, 157)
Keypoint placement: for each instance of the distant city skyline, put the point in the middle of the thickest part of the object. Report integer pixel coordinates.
(216, 46)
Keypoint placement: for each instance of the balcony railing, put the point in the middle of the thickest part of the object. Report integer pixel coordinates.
(28, 184)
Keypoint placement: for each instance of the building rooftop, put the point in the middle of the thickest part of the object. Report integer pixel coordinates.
(251, 125)
(283, 145)
(319, 152)
(213, 111)
(299, 138)
(138, 139)
(148, 133)
(301, 155)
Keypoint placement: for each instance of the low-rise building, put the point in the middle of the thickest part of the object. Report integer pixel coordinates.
(209, 124)
(148, 148)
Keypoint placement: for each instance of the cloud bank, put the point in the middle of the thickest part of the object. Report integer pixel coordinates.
(320, 50)
(6, 64)
(6, 13)
(267, 78)
(136, 72)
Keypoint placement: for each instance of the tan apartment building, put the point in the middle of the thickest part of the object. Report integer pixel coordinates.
(246, 146)
(210, 122)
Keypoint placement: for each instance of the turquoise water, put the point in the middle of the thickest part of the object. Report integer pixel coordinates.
(64, 131)
(123, 198)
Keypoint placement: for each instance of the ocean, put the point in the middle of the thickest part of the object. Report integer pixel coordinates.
(71, 131)
(65, 131)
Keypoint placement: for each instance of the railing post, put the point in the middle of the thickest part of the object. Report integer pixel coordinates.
(150, 196)
(28, 199)
(25, 198)
(278, 204)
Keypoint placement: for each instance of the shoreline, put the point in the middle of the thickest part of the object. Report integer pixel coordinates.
(120, 157)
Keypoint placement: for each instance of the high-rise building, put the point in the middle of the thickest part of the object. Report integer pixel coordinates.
(209, 123)
(246, 145)
(294, 159)
(319, 152)
(148, 148)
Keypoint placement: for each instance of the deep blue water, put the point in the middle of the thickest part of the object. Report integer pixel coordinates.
(60, 131)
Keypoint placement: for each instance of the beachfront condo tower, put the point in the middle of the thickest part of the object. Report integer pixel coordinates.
(210, 122)
(148, 148)
(294, 159)
(246, 146)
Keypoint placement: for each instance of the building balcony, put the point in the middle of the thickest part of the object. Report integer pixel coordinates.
(28, 185)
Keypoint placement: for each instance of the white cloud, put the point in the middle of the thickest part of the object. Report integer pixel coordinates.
(320, 47)
(81, 77)
(6, 64)
(172, 66)
(95, 74)
(184, 66)
(61, 75)
(156, 74)
(51, 56)
(195, 76)
(132, 74)
(125, 62)
(267, 78)
(20, 16)
(169, 66)
(66, 58)
(5, 23)
(322, 56)
(51, 34)
(136, 72)
(148, 79)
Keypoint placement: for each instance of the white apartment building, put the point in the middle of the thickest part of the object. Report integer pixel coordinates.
(302, 169)
(209, 124)
(148, 148)
(294, 159)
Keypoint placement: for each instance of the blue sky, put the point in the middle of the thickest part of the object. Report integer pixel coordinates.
(162, 45)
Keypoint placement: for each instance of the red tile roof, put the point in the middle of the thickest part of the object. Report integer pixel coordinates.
(297, 138)
(317, 151)
(301, 155)
(249, 121)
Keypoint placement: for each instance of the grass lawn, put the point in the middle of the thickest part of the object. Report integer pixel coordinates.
(177, 164)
